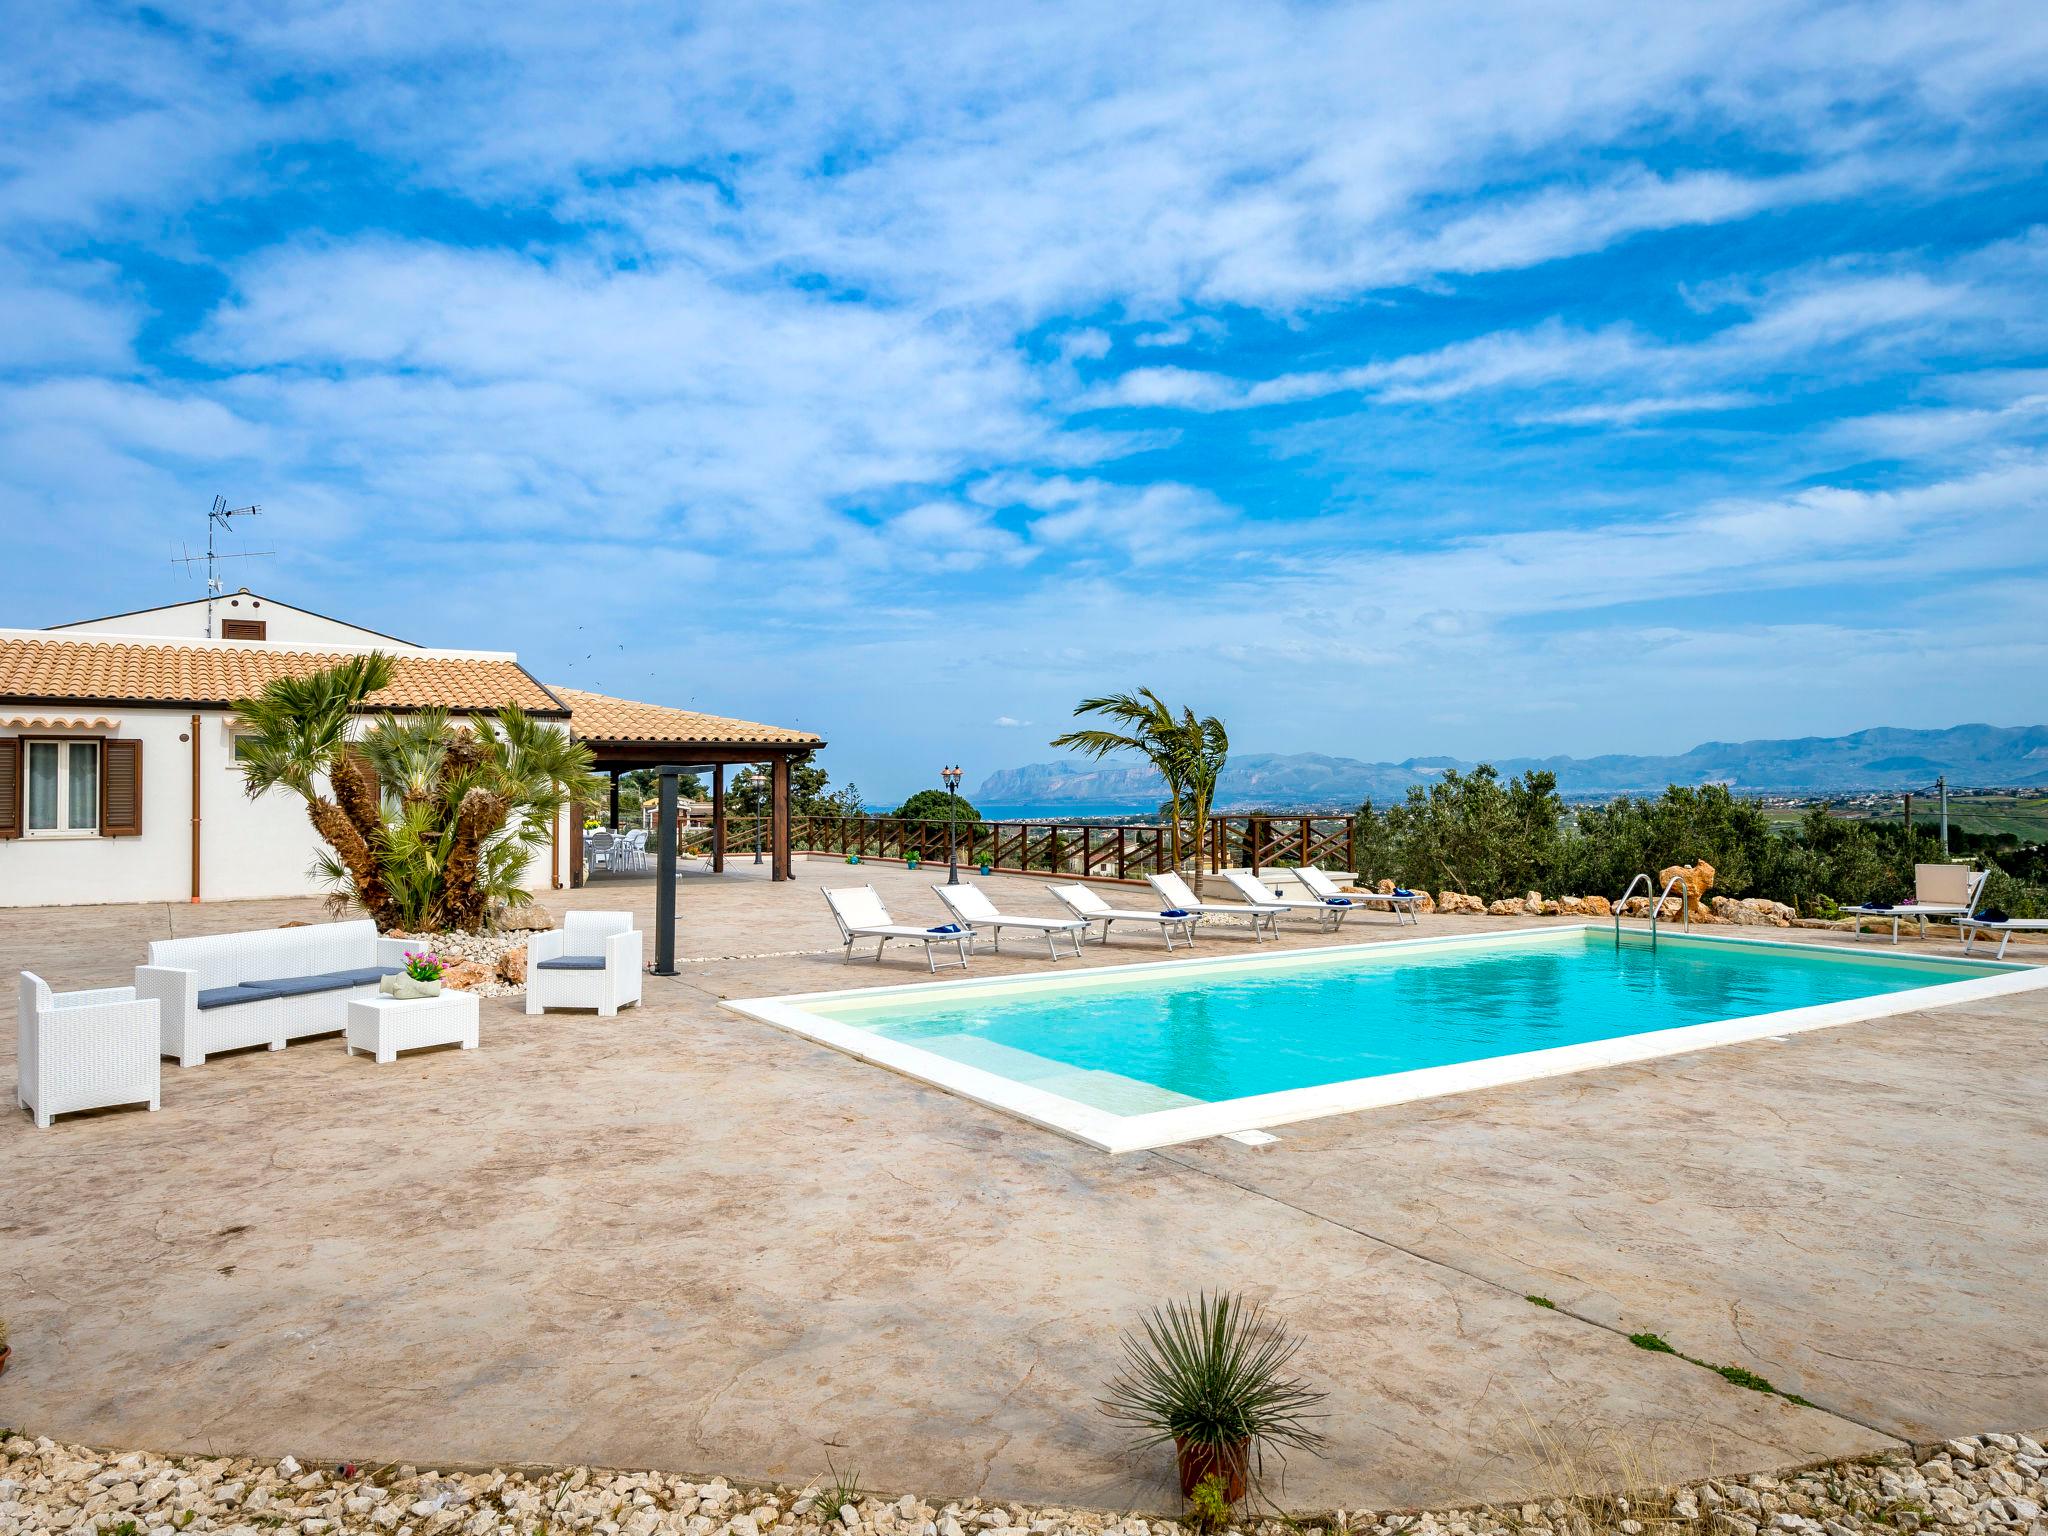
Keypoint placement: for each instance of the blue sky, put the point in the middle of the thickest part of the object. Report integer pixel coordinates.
(1389, 380)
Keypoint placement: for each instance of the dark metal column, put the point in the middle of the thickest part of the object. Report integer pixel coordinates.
(665, 877)
(718, 818)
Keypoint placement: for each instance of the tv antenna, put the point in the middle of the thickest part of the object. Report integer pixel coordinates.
(219, 518)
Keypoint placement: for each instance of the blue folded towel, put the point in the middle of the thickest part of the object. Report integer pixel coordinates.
(1993, 915)
(1336, 901)
(1878, 906)
(1172, 912)
(1402, 890)
(945, 928)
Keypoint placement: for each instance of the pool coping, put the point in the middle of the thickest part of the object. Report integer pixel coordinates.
(1114, 1133)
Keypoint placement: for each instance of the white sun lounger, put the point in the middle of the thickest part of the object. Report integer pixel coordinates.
(970, 904)
(1173, 890)
(860, 915)
(1323, 888)
(1941, 891)
(1328, 915)
(1972, 926)
(1088, 905)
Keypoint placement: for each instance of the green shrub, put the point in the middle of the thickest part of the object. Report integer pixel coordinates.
(937, 805)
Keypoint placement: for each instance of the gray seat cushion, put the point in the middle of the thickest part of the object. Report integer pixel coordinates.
(227, 997)
(325, 981)
(573, 963)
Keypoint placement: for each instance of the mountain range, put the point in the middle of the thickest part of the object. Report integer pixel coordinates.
(1972, 756)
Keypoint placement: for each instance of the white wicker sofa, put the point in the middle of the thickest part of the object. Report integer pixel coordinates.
(221, 991)
(592, 961)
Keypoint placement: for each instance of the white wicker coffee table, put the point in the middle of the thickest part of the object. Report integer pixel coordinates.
(384, 1026)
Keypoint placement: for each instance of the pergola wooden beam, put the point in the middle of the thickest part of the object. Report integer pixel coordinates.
(615, 757)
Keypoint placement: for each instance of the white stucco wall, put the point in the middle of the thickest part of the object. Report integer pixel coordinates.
(248, 848)
(285, 625)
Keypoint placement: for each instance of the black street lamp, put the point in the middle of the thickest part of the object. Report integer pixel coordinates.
(952, 778)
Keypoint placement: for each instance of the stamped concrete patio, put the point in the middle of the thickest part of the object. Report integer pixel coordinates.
(682, 1239)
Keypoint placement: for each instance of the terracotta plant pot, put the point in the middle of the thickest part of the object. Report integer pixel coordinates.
(1226, 1461)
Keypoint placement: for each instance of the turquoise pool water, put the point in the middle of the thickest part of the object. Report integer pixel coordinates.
(1200, 1034)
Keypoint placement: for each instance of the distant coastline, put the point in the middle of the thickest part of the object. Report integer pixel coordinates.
(1881, 760)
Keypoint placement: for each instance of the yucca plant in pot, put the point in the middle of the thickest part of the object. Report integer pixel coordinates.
(1210, 1375)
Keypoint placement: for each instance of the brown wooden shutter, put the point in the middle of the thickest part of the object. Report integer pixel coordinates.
(10, 787)
(243, 629)
(120, 789)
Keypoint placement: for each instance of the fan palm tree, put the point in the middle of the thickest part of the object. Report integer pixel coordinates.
(296, 733)
(1187, 753)
(433, 822)
(473, 804)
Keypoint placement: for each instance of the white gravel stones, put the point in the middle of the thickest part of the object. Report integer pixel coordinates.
(1988, 1485)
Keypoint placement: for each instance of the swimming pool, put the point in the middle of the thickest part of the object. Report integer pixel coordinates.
(1146, 1055)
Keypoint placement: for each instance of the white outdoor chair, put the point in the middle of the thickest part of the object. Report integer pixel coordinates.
(592, 961)
(1319, 885)
(970, 905)
(85, 1050)
(859, 912)
(598, 853)
(1264, 917)
(1940, 891)
(1088, 905)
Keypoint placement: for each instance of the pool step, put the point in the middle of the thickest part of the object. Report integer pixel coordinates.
(1109, 1091)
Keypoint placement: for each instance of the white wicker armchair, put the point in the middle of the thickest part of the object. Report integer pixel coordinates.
(592, 961)
(85, 1050)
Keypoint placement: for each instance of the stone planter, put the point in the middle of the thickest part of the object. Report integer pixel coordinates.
(403, 986)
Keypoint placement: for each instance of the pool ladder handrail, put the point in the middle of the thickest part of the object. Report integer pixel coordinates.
(1684, 907)
(1645, 882)
(1656, 907)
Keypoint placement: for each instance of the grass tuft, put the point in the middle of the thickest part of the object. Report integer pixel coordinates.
(1541, 1301)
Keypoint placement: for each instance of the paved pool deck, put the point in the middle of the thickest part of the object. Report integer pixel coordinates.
(682, 1239)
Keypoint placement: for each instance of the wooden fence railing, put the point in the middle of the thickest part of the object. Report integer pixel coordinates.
(1085, 850)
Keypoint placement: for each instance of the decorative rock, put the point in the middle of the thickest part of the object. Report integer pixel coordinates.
(512, 967)
(1696, 880)
(526, 919)
(466, 976)
(1457, 902)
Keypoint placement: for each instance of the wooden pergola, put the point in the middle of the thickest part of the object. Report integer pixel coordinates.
(623, 734)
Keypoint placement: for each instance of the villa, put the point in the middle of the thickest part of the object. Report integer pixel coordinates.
(118, 749)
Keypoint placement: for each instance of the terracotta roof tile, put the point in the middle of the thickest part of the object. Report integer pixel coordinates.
(599, 717)
(148, 672)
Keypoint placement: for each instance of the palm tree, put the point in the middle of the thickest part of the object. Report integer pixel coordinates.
(474, 803)
(297, 733)
(432, 823)
(1188, 753)
(1204, 747)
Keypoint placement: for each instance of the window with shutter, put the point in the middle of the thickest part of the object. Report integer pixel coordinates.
(10, 787)
(243, 629)
(121, 789)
